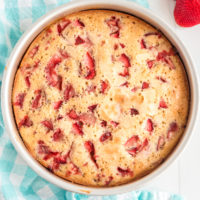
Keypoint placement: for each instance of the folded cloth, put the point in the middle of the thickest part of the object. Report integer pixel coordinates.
(17, 180)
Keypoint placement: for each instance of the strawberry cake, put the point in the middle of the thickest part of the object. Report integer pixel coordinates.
(101, 98)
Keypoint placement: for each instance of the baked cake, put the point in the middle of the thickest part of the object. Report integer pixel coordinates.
(100, 98)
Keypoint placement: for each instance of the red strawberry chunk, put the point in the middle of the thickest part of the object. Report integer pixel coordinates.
(153, 33)
(77, 128)
(64, 53)
(79, 23)
(79, 40)
(35, 103)
(162, 104)
(27, 81)
(20, 100)
(88, 118)
(134, 111)
(115, 34)
(89, 63)
(173, 127)
(74, 168)
(115, 47)
(133, 151)
(103, 123)
(145, 85)
(89, 146)
(161, 143)
(69, 92)
(122, 45)
(33, 51)
(125, 72)
(149, 125)
(150, 63)
(134, 89)
(145, 144)
(105, 136)
(72, 114)
(57, 104)
(114, 123)
(110, 178)
(124, 172)
(133, 141)
(104, 86)
(113, 24)
(161, 79)
(92, 107)
(187, 12)
(125, 84)
(62, 25)
(125, 60)
(143, 44)
(25, 122)
(58, 135)
(48, 124)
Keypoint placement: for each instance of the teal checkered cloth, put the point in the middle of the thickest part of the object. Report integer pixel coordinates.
(17, 180)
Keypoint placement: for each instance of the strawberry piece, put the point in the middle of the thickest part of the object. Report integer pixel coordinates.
(187, 12)
(89, 146)
(133, 151)
(69, 92)
(134, 111)
(79, 40)
(59, 117)
(115, 47)
(133, 141)
(27, 81)
(114, 123)
(33, 51)
(113, 24)
(35, 103)
(25, 122)
(104, 86)
(145, 85)
(124, 172)
(107, 182)
(161, 143)
(57, 104)
(20, 100)
(72, 115)
(162, 104)
(79, 23)
(91, 88)
(57, 135)
(115, 34)
(173, 127)
(64, 53)
(153, 33)
(149, 125)
(103, 123)
(161, 79)
(125, 72)
(92, 107)
(48, 124)
(145, 145)
(105, 136)
(125, 60)
(77, 128)
(150, 63)
(122, 45)
(89, 63)
(87, 118)
(125, 84)
(74, 168)
(143, 44)
(134, 89)
(62, 25)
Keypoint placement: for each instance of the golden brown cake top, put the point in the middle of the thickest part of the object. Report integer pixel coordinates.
(100, 98)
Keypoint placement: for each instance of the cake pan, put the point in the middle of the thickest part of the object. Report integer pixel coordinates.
(28, 37)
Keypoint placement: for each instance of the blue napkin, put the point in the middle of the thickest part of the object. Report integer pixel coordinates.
(17, 180)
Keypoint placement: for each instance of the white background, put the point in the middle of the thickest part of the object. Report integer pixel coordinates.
(183, 176)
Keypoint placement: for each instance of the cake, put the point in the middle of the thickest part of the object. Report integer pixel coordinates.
(100, 98)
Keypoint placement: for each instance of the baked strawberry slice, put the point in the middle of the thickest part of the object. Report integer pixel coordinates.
(124, 172)
(57, 104)
(125, 84)
(58, 135)
(72, 115)
(104, 86)
(20, 100)
(62, 25)
(134, 111)
(35, 103)
(133, 141)
(69, 92)
(153, 33)
(77, 128)
(173, 127)
(26, 122)
(145, 145)
(125, 72)
(143, 44)
(79, 40)
(187, 12)
(149, 125)
(145, 85)
(114, 123)
(161, 143)
(103, 123)
(122, 45)
(79, 23)
(33, 51)
(89, 63)
(48, 124)
(87, 118)
(162, 104)
(27, 81)
(105, 136)
(150, 63)
(108, 181)
(92, 107)
(125, 60)
(134, 150)
(161, 79)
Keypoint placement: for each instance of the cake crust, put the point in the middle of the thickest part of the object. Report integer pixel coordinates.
(100, 98)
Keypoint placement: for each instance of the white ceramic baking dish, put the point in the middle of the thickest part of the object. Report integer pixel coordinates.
(27, 38)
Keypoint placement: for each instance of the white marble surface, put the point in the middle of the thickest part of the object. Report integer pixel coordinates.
(183, 175)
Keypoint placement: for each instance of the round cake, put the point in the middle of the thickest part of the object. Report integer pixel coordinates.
(101, 98)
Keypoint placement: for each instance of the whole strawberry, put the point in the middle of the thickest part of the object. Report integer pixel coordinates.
(187, 12)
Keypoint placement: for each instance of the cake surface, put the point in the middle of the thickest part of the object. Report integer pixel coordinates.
(100, 98)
